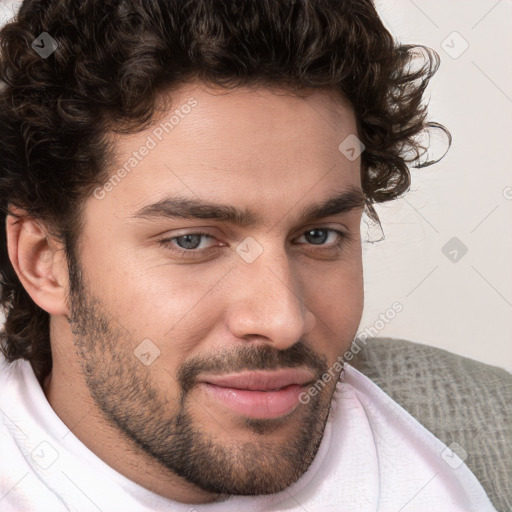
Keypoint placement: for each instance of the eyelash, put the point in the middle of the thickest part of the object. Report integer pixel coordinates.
(190, 253)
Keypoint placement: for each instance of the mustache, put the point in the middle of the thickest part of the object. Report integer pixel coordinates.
(251, 358)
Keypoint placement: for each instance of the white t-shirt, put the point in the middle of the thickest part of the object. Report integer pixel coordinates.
(374, 456)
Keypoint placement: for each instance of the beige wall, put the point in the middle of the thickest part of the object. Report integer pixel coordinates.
(463, 306)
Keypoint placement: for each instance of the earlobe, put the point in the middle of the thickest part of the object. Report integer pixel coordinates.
(39, 261)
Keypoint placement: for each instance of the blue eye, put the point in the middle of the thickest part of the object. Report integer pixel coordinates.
(324, 232)
(188, 244)
(190, 240)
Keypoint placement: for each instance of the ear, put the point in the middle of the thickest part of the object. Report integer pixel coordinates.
(39, 261)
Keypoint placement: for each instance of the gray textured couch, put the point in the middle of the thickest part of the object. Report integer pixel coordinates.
(456, 398)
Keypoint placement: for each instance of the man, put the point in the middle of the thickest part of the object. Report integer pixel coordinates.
(182, 190)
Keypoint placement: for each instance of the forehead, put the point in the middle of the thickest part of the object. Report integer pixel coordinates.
(216, 119)
(259, 145)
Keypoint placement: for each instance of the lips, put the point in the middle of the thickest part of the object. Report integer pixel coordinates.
(262, 380)
(259, 394)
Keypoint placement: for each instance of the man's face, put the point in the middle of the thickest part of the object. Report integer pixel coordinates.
(197, 347)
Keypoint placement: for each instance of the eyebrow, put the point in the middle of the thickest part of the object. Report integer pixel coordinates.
(189, 208)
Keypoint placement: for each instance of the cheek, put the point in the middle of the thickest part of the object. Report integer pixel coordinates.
(172, 305)
(336, 297)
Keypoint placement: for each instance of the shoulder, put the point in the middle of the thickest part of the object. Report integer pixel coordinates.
(16, 383)
(9, 373)
(458, 399)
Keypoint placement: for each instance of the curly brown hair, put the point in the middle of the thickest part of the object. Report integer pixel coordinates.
(114, 59)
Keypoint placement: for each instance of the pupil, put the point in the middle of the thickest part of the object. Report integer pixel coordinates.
(322, 236)
(188, 242)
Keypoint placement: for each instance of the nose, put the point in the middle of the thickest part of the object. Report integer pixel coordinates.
(268, 305)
